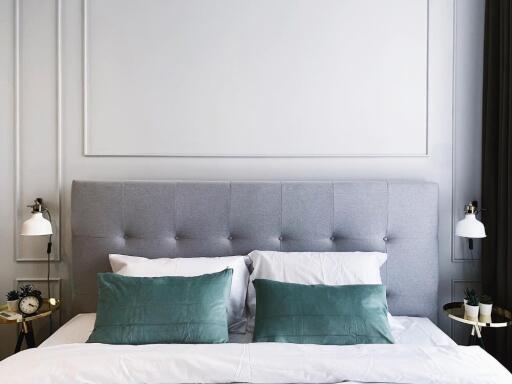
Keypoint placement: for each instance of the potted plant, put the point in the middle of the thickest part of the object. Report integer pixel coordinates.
(29, 290)
(471, 306)
(485, 305)
(468, 292)
(12, 300)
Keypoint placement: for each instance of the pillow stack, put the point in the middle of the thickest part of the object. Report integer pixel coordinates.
(333, 298)
(135, 266)
(296, 297)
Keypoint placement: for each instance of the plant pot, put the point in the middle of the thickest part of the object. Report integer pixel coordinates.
(485, 309)
(471, 311)
(465, 301)
(12, 305)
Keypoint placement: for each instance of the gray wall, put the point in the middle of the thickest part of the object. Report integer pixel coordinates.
(41, 142)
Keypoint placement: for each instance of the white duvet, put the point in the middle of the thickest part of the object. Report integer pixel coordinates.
(253, 363)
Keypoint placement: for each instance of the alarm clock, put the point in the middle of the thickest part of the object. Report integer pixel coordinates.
(28, 305)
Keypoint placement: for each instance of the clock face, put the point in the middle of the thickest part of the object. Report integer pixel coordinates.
(29, 305)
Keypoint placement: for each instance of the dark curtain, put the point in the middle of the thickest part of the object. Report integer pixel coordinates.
(497, 169)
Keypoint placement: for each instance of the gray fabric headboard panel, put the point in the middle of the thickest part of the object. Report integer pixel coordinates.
(191, 219)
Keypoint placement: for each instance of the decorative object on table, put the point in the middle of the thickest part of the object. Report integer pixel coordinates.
(485, 305)
(500, 318)
(470, 227)
(26, 332)
(30, 300)
(471, 306)
(12, 300)
(38, 225)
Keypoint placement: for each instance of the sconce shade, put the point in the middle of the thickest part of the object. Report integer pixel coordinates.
(37, 225)
(470, 227)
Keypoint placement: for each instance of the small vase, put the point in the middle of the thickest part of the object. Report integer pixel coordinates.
(485, 309)
(12, 305)
(471, 311)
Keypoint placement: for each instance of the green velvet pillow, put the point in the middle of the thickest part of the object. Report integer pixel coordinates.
(160, 310)
(321, 314)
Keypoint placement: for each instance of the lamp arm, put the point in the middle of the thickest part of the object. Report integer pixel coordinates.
(48, 253)
(46, 210)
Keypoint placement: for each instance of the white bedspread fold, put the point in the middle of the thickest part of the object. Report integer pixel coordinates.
(253, 363)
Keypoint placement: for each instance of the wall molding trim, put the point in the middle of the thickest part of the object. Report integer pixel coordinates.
(456, 209)
(86, 128)
(17, 128)
(454, 136)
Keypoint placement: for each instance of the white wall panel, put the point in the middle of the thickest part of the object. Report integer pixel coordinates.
(37, 167)
(256, 78)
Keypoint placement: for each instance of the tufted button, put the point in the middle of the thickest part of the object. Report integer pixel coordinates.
(385, 238)
(125, 236)
(332, 238)
(230, 237)
(280, 238)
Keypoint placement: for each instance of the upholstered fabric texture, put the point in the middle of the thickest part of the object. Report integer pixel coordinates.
(321, 314)
(328, 268)
(193, 219)
(143, 267)
(160, 310)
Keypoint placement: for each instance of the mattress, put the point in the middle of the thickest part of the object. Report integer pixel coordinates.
(405, 330)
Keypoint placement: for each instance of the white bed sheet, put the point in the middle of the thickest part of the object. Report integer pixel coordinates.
(256, 363)
(413, 330)
(423, 354)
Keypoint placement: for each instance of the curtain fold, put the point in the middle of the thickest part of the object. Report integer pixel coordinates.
(497, 169)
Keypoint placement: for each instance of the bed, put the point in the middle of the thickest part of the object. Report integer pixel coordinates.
(210, 219)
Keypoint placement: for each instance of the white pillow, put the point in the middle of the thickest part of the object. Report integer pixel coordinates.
(142, 267)
(328, 268)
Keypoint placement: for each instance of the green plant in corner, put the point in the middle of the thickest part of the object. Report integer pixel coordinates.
(471, 297)
(486, 299)
(12, 295)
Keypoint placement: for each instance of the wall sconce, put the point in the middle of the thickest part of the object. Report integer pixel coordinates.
(470, 227)
(38, 225)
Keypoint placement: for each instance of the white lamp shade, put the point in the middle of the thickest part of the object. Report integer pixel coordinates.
(37, 225)
(470, 227)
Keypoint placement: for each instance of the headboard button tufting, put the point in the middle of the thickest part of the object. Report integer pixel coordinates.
(171, 219)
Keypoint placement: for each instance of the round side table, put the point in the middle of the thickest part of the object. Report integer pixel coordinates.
(499, 318)
(26, 331)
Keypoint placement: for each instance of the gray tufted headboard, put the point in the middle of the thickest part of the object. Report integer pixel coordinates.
(187, 219)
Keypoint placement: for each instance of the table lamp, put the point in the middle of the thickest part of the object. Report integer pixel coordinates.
(470, 227)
